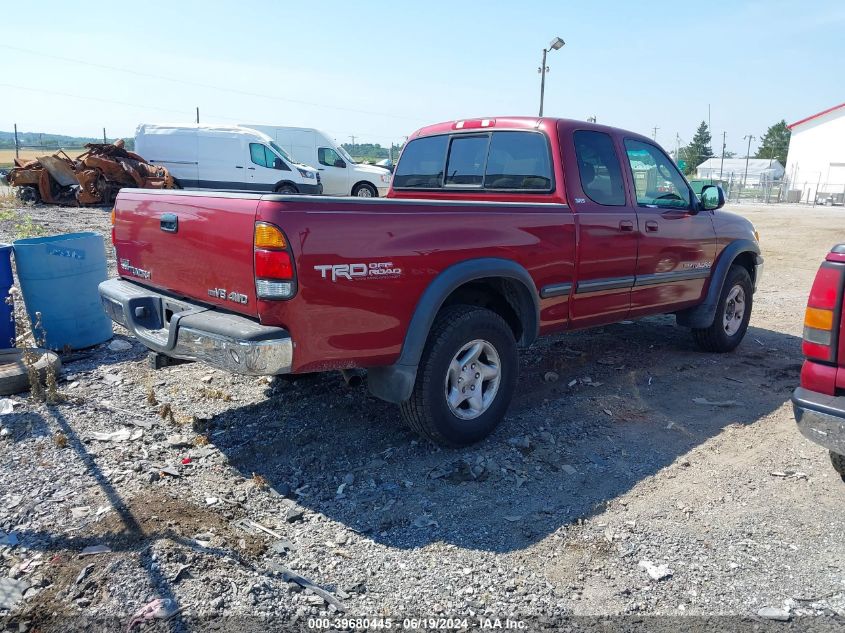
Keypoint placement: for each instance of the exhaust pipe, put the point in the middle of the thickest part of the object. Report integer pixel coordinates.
(353, 378)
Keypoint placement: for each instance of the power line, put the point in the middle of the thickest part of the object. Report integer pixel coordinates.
(185, 113)
(198, 84)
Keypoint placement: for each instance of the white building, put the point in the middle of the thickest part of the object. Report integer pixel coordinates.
(760, 170)
(816, 160)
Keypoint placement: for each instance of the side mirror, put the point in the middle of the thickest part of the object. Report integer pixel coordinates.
(278, 164)
(712, 197)
(339, 163)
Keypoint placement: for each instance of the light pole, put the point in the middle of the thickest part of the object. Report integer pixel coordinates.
(555, 44)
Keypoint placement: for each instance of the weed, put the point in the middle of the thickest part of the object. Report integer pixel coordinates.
(201, 440)
(216, 394)
(260, 481)
(60, 439)
(166, 413)
(22, 223)
(151, 396)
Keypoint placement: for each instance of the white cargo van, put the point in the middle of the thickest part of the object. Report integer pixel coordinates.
(230, 158)
(341, 176)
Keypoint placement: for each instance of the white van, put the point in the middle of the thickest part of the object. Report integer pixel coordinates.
(230, 158)
(341, 176)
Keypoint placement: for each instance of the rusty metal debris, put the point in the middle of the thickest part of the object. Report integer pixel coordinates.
(94, 177)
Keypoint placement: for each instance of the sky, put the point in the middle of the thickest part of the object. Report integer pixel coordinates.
(379, 70)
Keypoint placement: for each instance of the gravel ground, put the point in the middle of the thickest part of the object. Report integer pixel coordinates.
(219, 492)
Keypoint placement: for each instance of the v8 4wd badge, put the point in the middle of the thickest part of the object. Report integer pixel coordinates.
(234, 297)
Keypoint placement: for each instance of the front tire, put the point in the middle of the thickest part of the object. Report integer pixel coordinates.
(838, 462)
(466, 377)
(732, 314)
(365, 190)
(287, 190)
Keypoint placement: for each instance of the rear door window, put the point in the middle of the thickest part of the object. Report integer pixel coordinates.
(518, 160)
(421, 166)
(467, 157)
(598, 168)
(657, 181)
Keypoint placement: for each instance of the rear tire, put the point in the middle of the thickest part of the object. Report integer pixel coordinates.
(838, 462)
(364, 190)
(466, 377)
(287, 190)
(732, 314)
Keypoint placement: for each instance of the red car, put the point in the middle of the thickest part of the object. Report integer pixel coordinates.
(495, 232)
(819, 402)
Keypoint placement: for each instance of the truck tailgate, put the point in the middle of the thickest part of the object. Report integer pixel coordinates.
(194, 245)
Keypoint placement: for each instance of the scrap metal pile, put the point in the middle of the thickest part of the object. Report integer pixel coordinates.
(94, 177)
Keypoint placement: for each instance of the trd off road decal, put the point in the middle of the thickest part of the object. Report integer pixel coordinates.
(372, 270)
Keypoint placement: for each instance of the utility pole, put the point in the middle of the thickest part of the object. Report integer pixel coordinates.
(198, 115)
(750, 138)
(104, 136)
(353, 146)
(677, 149)
(17, 145)
(654, 133)
(722, 163)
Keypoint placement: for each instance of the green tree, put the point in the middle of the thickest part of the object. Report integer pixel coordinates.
(698, 150)
(775, 143)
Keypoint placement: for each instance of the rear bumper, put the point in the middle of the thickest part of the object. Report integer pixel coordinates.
(820, 418)
(191, 331)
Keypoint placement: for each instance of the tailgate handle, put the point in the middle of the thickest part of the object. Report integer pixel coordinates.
(169, 222)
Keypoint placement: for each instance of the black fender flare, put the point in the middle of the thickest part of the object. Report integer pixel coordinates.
(702, 315)
(395, 383)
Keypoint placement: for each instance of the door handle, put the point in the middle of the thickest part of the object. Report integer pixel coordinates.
(239, 166)
(321, 169)
(251, 168)
(626, 225)
(651, 226)
(169, 222)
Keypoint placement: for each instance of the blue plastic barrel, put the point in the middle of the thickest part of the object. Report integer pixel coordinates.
(59, 276)
(7, 309)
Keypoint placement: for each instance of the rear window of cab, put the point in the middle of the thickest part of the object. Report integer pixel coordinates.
(495, 161)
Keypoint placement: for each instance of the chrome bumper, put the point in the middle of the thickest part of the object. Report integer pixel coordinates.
(820, 418)
(758, 273)
(181, 329)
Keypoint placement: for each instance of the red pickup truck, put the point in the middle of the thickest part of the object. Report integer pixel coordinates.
(494, 232)
(819, 401)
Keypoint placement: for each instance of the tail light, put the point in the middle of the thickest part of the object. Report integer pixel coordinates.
(113, 218)
(275, 277)
(821, 320)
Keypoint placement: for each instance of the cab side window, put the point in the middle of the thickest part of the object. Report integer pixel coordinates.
(330, 158)
(257, 155)
(598, 168)
(657, 181)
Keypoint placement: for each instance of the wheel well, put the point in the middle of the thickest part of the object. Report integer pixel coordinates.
(284, 183)
(496, 294)
(746, 259)
(367, 183)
